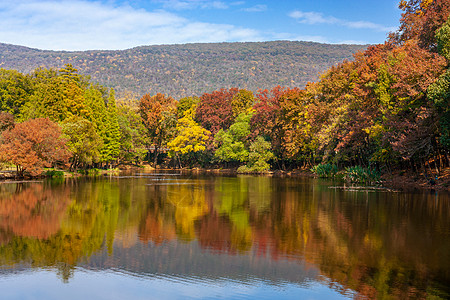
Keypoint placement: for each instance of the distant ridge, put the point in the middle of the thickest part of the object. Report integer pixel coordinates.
(190, 69)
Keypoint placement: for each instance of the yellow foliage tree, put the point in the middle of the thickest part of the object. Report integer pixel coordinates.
(190, 136)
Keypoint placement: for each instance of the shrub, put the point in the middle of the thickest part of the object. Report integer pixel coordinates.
(361, 175)
(325, 170)
(54, 174)
(93, 172)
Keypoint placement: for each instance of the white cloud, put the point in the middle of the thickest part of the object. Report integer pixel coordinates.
(192, 4)
(82, 25)
(256, 8)
(368, 25)
(312, 18)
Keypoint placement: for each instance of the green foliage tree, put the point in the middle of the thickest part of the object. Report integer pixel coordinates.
(15, 90)
(111, 142)
(82, 141)
(443, 39)
(47, 99)
(258, 157)
(439, 94)
(233, 142)
(133, 134)
(56, 95)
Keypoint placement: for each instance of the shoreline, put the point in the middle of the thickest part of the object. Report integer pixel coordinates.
(391, 181)
(398, 180)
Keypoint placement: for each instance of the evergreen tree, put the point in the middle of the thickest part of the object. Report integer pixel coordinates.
(111, 149)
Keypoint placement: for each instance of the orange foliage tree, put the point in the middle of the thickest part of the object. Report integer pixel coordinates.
(6, 121)
(32, 145)
(158, 114)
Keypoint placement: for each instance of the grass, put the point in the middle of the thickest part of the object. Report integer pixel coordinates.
(361, 175)
(355, 174)
(325, 170)
(54, 174)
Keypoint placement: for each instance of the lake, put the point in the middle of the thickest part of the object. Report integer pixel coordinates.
(167, 235)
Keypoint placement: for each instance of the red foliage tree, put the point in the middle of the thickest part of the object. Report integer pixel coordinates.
(215, 112)
(32, 145)
(414, 69)
(270, 111)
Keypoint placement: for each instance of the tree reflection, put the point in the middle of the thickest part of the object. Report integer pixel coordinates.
(379, 244)
(30, 210)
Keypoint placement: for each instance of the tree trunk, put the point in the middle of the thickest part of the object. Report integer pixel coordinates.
(155, 160)
(179, 162)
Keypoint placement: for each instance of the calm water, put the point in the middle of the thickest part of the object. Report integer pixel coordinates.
(168, 236)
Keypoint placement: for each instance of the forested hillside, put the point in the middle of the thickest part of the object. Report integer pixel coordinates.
(191, 69)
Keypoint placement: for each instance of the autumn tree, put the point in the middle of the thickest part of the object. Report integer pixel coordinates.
(158, 114)
(289, 119)
(6, 121)
(190, 137)
(409, 118)
(73, 86)
(185, 105)
(297, 118)
(420, 20)
(215, 112)
(264, 120)
(241, 102)
(32, 145)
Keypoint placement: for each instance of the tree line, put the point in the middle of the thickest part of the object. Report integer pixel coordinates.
(387, 108)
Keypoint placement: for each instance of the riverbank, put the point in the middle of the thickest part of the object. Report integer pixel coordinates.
(406, 181)
(399, 180)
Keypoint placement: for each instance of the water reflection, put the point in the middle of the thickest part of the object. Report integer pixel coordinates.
(243, 229)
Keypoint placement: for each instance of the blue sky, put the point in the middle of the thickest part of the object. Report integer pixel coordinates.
(122, 24)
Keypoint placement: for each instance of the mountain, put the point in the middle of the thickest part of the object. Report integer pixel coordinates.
(190, 69)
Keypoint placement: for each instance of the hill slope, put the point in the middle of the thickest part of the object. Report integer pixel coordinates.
(190, 69)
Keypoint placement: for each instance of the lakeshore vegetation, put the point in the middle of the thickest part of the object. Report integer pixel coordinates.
(387, 108)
